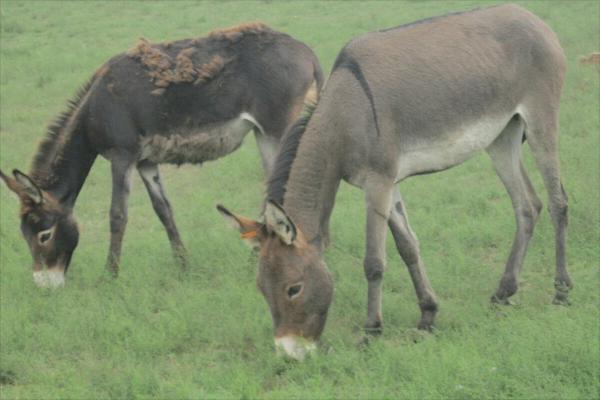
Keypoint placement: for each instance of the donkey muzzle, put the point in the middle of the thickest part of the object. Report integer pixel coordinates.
(49, 278)
(295, 347)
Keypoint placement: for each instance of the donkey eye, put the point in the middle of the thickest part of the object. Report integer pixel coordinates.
(46, 235)
(294, 290)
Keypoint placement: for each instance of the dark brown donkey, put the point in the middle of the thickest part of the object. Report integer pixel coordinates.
(401, 102)
(188, 101)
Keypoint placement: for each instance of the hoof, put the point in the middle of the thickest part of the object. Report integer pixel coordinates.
(418, 335)
(181, 259)
(558, 301)
(112, 272)
(364, 341)
(507, 288)
(373, 332)
(427, 318)
(374, 329)
(426, 326)
(429, 309)
(182, 263)
(502, 301)
(561, 297)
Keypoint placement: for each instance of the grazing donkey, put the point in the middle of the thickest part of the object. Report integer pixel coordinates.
(188, 101)
(400, 102)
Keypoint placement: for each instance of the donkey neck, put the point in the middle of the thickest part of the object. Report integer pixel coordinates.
(70, 170)
(312, 185)
(65, 156)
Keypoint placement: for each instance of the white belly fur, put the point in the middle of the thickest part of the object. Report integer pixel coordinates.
(453, 149)
(197, 145)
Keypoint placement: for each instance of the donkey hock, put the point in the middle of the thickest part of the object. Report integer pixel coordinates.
(405, 101)
(188, 101)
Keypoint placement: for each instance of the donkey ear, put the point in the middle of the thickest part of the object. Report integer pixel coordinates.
(280, 223)
(251, 231)
(29, 188)
(11, 183)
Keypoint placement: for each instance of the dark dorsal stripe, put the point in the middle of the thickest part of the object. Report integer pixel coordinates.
(288, 149)
(50, 148)
(345, 60)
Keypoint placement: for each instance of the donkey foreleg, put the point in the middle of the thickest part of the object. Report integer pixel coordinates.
(378, 198)
(121, 168)
(151, 178)
(267, 147)
(408, 247)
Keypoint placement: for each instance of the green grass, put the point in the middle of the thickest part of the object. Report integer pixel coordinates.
(152, 333)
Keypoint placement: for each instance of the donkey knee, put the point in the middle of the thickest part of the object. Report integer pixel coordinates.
(559, 211)
(118, 219)
(374, 268)
(563, 211)
(529, 218)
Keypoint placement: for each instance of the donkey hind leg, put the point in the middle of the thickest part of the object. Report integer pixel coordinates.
(151, 178)
(378, 199)
(533, 197)
(505, 153)
(121, 168)
(542, 136)
(408, 247)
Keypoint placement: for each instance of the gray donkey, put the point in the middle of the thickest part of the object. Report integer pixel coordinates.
(400, 102)
(187, 101)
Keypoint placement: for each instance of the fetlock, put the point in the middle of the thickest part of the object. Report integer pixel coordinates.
(429, 308)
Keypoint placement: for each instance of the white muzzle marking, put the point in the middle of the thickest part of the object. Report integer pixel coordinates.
(294, 346)
(49, 278)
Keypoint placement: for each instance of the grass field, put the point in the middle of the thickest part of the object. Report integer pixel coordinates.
(155, 333)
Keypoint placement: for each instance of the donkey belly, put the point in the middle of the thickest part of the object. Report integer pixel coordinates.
(450, 149)
(198, 144)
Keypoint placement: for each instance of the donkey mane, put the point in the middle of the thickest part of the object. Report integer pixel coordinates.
(276, 184)
(50, 149)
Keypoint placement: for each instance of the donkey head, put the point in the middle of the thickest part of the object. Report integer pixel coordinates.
(48, 228)
(292, 277)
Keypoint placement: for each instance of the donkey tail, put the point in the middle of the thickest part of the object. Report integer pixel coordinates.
(314, 91)
(319, 77)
